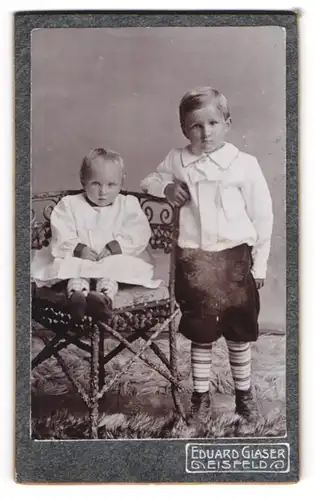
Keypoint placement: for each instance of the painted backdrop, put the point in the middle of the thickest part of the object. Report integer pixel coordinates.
(120, 88)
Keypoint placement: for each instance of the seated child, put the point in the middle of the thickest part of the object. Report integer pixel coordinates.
(223, 246)
(93, 225)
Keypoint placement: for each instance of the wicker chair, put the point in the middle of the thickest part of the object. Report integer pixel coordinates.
(138, 312)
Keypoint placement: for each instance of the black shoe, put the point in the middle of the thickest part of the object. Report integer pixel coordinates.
(77, 304)
(99, 306)
(200, 407)
(245, 404)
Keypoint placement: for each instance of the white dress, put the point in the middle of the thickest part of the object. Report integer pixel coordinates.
(75, 221)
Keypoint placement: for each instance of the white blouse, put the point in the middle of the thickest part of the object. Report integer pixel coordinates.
(230, 201)
(75, 221)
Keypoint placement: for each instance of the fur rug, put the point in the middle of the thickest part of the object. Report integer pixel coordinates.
(144, 407)
(63, 425)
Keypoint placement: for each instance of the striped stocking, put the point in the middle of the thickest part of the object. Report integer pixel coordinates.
(201, 355)
(240, 362)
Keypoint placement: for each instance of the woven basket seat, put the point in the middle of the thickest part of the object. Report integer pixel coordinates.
(134, 306)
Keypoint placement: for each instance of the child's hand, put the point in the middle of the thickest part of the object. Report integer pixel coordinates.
(88, 254)
(177, 192)
(104, 253)
(259, 283)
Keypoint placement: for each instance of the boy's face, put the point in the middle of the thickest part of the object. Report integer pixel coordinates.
(104, 182)
(206, 128)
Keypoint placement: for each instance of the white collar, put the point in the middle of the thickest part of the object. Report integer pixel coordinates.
(223, 157)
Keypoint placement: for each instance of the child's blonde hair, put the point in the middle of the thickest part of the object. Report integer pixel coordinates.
(197, 98)
(98, 153)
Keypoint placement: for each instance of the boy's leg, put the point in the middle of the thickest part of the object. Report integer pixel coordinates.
(240, 362)
(77, 291)
(100, 302)
(201, 357)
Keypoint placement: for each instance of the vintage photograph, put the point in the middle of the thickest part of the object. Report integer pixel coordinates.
(158, 228)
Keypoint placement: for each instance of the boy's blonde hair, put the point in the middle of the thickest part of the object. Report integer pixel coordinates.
(197, 98)
(107, 154)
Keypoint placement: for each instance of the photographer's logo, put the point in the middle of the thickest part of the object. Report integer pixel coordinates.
(258, 457)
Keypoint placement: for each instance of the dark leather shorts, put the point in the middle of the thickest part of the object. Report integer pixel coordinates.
(217, 294)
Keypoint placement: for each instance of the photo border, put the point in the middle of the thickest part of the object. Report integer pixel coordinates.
(136, 461)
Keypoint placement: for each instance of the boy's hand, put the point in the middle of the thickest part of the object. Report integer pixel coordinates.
(177, 192)
(88, 254)
(259, 283)
(104, 253)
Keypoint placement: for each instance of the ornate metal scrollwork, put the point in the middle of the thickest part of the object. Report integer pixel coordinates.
(41, 232)
(148, 211)
(48, 209)
(160, 214)
(156, 209)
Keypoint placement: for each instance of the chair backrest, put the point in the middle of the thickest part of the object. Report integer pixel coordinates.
(162, 216)
(159, 211)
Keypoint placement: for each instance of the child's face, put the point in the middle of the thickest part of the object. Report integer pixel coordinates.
(104, 182)
(206, 128)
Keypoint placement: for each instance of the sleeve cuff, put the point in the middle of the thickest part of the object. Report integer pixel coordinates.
(77, 252)
(114, 247)
(155, 189)
(259, 274)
